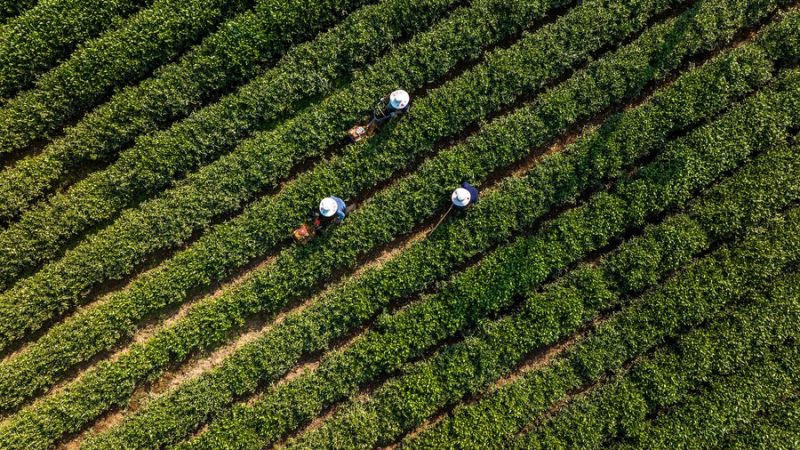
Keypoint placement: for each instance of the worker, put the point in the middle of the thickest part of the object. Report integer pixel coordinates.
(398, 103)
(331, 210)
(464, 196)
(386, 109)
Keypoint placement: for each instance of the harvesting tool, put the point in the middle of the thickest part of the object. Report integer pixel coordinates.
(305, 232)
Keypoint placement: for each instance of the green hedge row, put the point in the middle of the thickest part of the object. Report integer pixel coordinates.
(702, 355)
(368, 164)
(264, 160)
(722, 214)
(71, 343)
(403, 403)
(493, 219)
(705, 419)
(732, 401)
(35, 40)
(301, 268)
(754, 334)
(118, 57)
(12, 8)
(493, 285)
(777, 428)
(623, 406)
(238, 51)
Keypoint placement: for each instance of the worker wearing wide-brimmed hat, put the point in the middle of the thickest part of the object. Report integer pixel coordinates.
(332, 209)
(464, 196)
(384, 110)
(397, 103)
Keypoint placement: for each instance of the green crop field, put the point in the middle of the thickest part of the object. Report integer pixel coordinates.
(629, 277)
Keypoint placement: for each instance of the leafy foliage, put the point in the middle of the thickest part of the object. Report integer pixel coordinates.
(749, 357)
(359, 168)
(492, 220)
(777, 427)
(180, 341)
(11, 8)
(403, 403)
(238, 51)
(46, 32)
(147, 39)
(683, 206)
(157, 159)
(638, 265)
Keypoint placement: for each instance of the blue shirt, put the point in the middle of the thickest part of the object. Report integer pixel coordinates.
(341, 207)
(473, 192)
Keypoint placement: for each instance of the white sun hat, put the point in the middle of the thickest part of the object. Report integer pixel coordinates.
(328, 207)
(461, 197)
(399, 99)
